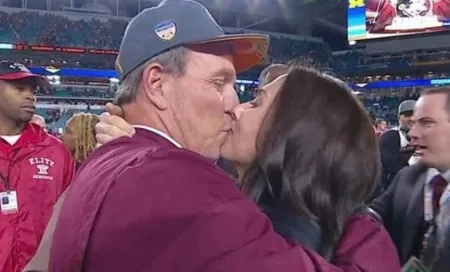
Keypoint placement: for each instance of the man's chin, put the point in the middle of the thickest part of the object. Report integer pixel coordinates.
(427, 162)
(26, 117)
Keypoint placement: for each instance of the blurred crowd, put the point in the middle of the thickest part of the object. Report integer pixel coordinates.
(352, 58)
(380, 104)
(49, 29)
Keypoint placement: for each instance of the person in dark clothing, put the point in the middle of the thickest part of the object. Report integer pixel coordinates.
(415, 208)
(394, 145)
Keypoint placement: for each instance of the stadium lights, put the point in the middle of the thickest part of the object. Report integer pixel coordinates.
(54, 80)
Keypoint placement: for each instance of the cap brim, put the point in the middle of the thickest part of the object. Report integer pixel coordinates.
(408, 112)
(248, 50)
(41, 81)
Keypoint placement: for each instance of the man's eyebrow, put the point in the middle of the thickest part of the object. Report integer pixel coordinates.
(229, 73)
(422, 119)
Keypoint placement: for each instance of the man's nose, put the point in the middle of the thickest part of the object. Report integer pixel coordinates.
(231, 99)
(413, 132)
(29, 95)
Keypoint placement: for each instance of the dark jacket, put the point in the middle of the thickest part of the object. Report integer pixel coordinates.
(365, 245)
(294, 228)
(39, 168)
(393, 156)
(402, 210)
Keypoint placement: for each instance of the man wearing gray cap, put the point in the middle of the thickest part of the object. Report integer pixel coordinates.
(156, 201)
(395, 150)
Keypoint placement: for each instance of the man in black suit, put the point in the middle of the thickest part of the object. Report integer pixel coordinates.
(394, 144)
(410, 208)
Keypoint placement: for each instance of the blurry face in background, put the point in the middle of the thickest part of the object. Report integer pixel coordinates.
(382, 126)
(69, 135)
(40, 121)
(430, 133)
(405, 121)
(240, 147)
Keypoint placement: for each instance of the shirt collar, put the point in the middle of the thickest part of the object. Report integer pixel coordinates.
(160, 133)
(432, 172)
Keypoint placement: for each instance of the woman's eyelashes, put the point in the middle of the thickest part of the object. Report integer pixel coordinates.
(256, 102)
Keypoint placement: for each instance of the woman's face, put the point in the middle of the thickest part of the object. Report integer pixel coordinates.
(69, 135)
(240, 146)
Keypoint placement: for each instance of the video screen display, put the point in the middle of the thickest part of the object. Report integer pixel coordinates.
(372, 19)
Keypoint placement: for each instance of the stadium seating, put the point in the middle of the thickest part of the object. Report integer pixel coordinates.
(359, 58)
(380, 104)
(29, 27)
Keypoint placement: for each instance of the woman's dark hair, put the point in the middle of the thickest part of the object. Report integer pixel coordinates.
(317, 155)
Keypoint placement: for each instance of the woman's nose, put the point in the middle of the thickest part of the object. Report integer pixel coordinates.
(238, 110)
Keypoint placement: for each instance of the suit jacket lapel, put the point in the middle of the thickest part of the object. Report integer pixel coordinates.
(414, 214)
(443, 262)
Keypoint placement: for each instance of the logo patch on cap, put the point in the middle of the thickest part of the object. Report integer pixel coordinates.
(166, 30)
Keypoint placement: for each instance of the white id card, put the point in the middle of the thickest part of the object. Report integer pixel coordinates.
(8, 202)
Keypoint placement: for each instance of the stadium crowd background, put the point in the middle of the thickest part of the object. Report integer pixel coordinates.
(70, 95)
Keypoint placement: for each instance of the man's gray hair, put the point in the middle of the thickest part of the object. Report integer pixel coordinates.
(173, 61)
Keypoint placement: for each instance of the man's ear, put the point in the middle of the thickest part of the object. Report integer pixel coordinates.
(152, 80)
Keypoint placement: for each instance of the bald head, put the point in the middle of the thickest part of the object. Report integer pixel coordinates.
(270, 73)
(39, 120)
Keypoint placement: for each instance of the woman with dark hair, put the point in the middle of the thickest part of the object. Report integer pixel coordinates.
(305, 151)
(315, 160)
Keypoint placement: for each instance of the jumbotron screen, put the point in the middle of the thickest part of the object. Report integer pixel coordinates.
(372, 19)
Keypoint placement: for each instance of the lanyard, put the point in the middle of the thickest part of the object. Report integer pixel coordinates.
(5, 179)
(428, 201)
(431, 242)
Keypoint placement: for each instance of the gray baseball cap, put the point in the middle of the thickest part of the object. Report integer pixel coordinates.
(176, 23)
(405, 106)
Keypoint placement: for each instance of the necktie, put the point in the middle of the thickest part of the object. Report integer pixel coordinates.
(439, 184)
(429, 255)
